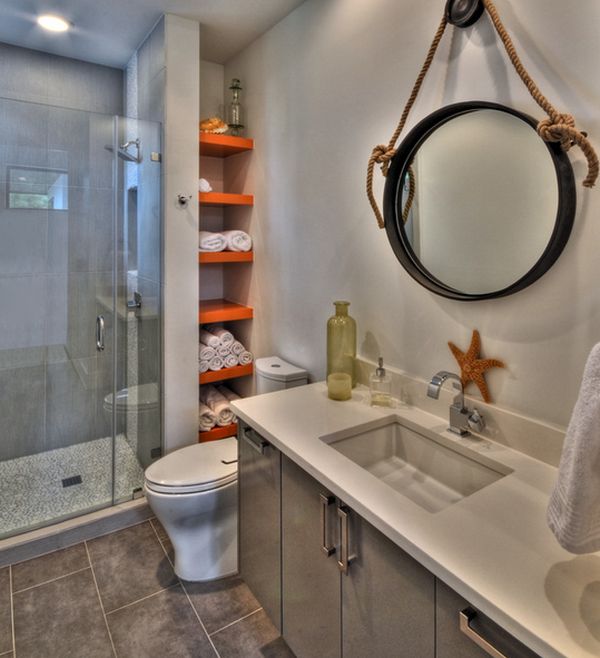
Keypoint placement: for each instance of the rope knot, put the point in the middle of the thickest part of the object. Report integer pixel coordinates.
(382, 154)
(558, 128)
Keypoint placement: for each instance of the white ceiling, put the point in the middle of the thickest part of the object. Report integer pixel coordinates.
(108, 31)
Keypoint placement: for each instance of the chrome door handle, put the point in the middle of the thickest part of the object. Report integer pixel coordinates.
(100, 333)
(465, 617)
(344, 560)
(326, 501)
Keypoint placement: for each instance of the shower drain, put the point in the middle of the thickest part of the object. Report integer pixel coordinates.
(69, 482)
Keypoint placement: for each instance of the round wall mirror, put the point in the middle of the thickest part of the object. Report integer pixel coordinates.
(476, 204)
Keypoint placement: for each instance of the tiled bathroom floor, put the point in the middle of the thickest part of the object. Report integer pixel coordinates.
(118, 596)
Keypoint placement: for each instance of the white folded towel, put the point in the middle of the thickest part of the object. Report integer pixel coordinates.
(237, 240)
(227, 392)
(216, 363)
(212, 241)
(223, 350)
(204, 185)
(237, 348)
(230, 361)
(218, 403)
(207, 418)
(574, 509)
(206, 353)
(226, 337)
(209, 339)
(203, 366)
(245, 358)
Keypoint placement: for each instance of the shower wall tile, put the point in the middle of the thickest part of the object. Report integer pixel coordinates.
(23, 73)
(56, 310)
(23, 239)
(81, 315)
(57, 246)
(26, 357)
(22, 412)
(70, 402)
(22, 318)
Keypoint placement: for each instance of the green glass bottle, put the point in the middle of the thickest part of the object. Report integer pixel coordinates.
(341, 342)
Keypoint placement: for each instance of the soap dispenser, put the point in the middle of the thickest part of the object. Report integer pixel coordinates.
(380, 384)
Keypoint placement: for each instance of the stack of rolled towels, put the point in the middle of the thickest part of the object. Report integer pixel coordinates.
(225, 241)
(219, 349)
(215, 409)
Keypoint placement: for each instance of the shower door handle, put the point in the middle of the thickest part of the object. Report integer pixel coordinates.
(100, 333)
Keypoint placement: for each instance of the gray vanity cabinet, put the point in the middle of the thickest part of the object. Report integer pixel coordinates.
(451, 642)
(259, 519)
(383, 606)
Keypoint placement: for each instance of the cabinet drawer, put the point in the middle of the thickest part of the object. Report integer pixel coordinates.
(451, 642)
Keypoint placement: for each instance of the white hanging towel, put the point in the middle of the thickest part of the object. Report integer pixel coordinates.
(212, 241)
(574, 509)
(209, 339)
(237, 240)
(207, 418)
(218, 403)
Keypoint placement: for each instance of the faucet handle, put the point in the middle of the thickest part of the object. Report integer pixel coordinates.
(476, 421)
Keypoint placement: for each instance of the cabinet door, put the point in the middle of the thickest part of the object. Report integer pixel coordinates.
(388, 599)
(452, 643)
(259, 519)
(311, 580)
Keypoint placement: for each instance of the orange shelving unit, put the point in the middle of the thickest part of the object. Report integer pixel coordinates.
(222, 146)
(222, 310)
(225, 373)
(206, 257)
(218, 433)
(225, 199)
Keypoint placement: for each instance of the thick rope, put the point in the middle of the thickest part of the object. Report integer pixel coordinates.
(558, 127)
(382, 154)
(411, 194)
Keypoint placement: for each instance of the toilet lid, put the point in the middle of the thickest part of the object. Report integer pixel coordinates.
(198, 467)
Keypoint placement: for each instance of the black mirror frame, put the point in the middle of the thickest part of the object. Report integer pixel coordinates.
(393, 212)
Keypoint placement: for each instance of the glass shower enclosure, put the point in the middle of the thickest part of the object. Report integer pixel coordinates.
(80, 312)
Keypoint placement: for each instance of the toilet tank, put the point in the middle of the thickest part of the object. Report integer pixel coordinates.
(275, 374)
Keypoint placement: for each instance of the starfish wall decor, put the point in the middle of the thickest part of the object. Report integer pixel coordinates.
(472, 368)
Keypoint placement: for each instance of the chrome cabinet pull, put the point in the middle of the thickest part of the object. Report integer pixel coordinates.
(100, 333)
(465, 618)
(326, 501)
(344, 560)
(259, 445)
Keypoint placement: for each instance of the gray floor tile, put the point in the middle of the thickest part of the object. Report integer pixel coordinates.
(62, 619)
(221, 602)
(129, 565)
(161, 626)
(5, 615)
(47, 567)
(253, 637)
(160, 531)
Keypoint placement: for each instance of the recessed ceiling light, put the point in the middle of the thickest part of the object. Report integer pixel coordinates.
(53, 23)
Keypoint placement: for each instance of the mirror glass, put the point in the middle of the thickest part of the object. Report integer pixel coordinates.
(477, 200)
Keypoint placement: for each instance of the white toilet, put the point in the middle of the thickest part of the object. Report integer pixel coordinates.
(193, 491)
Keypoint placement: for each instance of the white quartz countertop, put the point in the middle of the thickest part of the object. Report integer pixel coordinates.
(493, 547)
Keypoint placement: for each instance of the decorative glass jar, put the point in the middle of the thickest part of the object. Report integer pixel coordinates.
(341, 342)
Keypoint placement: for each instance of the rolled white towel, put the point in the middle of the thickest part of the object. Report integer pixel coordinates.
(216, 363)
(207, 418)
(206, 353)
(203, 366)
(230, 361)
(209, 339)
(227, 392)
(223, 350)
(212, 241)
(237, 348)
(218, 403)
(245, 358)
(237, 240)
(226, 337)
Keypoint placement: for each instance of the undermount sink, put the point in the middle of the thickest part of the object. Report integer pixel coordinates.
(433, 473)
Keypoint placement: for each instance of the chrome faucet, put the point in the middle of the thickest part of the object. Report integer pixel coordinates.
(460, 416)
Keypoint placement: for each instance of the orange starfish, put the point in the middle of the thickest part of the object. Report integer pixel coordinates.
(472, 368)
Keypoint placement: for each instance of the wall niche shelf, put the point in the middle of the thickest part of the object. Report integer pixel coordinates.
(225, 199)
(206, 257)
(218, 433)
(222, 310)
(225, 373)
(222, 146)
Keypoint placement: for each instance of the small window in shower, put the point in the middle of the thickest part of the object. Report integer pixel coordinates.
(34, 188)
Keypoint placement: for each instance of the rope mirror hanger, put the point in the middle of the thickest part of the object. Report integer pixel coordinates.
(556, 127)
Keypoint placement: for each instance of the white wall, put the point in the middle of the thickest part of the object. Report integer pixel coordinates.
(321, 89)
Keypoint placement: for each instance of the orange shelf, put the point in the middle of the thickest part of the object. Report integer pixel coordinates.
(218, 433)
(222, 146)
(221, 310)
(225, 199)
(226, 373)
(225, 256)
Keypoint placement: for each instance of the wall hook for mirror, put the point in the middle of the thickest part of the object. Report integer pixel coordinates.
(463, 13)
(183, 200)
